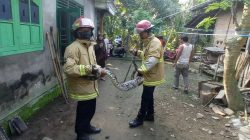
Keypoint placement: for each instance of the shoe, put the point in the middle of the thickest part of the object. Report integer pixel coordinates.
(175, 88)
(93, 130)
(84, 138)
(149, 117)
(135, 123)
(186, 91)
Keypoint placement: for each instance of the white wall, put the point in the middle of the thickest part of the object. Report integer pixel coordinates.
(221, 26)
(89, 9)
(90, 12)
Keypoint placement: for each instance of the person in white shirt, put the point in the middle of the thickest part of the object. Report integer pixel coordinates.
(181, 63)
(106, 41)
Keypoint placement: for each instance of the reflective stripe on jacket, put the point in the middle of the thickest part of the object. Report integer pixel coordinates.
(79, 58)
(152, 48)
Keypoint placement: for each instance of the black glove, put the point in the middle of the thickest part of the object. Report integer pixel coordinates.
(139, 74)
(133, 51)
(96, 70)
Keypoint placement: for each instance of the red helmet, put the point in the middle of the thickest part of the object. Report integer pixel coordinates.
(143, 26)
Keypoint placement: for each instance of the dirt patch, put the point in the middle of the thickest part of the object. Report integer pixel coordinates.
(175, 114)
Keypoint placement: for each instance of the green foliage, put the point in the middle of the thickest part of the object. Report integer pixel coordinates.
(247, 1)
(138, 15)
(172, 44)
(224, 5)
(202, 42)
(200, 1)
(206, 23)
(162, 8)
(171, 38)
(132, 11)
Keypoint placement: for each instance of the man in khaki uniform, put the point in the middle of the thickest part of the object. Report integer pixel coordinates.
(152, 69)
(82, 72)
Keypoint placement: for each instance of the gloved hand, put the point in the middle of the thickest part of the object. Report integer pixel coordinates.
(98, 71)
(139, 73)
(103, 72)
(133, 51)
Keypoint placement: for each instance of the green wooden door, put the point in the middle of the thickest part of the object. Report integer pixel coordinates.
(65, 19)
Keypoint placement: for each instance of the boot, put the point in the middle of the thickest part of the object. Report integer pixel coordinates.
(149, 117)
(137, 121)
(186, 91)
(92, 130)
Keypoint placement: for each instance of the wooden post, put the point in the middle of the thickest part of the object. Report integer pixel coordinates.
(216, 70)
(101, 23)
(248, 45)
(56, 66)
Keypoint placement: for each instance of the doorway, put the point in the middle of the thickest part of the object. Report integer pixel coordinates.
(67, 12)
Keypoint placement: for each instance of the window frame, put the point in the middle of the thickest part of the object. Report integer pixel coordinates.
(28, 10)
(18, 46)
(31, 12)
(11, 15)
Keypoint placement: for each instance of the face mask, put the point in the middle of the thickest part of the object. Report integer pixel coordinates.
(84, 35)
(142, 36)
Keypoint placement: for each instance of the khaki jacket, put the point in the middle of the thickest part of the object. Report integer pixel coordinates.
(152, 48)
(80, 57)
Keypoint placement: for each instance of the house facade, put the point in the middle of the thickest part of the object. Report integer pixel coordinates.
(225, 27)
(26, 69)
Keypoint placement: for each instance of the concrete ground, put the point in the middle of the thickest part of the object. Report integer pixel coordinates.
(175, 114)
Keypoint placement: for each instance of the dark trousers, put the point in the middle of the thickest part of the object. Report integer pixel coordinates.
(111, 52)
(147, 101)
(84, 113)
(101, 62)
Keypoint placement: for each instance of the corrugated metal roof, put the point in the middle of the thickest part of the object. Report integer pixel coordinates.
(215, 49)
(197, 19)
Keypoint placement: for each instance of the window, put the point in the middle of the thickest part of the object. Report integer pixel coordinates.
(34, 13)
(24, 11)
(5, 10)
(20, 26)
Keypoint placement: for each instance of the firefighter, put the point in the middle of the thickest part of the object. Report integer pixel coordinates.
(82, 72)
(152, 69)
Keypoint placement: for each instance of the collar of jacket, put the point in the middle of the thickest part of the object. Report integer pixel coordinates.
(86, 43)
(147, 40)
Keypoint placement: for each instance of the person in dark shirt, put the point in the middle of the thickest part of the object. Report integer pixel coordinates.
(100, 52)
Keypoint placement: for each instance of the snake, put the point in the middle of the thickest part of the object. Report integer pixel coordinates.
(125, 86)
